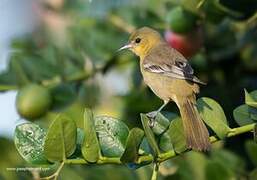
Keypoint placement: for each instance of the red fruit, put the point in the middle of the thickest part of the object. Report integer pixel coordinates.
(187, 44)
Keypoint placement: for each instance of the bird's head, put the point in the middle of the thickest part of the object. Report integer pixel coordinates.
(142, 40)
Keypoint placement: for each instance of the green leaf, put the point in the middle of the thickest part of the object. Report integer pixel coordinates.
(90, 148)
(4, 87)
(181, 21)
(217, 171)
(233, 161)
(214, 116)
(80, 136)
(63, 95)
(112, 134)
(144, 147)
(255, 133)
(193, 158)
(189, 5)
(39, 68)
(253, 174)
(19, 72)
(251, 149)
(89, 94)
(245, 114)
(251, 99)
(60, 140)
(7, 77)
(79, 143)
(161, 124)
(176, 134)
(149, 135)
(29, 139)
(134, 140)
(165, 141)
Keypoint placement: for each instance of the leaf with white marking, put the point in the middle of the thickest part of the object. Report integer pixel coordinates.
(29, 139)
(112, 135)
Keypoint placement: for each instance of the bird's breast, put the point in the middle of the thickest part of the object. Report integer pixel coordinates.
(159, 84)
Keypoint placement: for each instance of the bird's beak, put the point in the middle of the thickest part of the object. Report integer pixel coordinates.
(127, 46)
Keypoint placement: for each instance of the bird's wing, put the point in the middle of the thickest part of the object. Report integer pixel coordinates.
(170, 65)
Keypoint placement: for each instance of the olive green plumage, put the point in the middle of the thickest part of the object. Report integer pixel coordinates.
(171, 78)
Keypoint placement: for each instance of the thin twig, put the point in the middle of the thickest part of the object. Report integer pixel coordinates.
(155, 171)
(252, 19)
(120, 23)
(200, 4)
(56, 174)
(35, 174)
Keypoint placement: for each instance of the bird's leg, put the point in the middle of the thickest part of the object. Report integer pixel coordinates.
(152, 115)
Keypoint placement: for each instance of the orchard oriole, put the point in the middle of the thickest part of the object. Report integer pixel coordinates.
(171, 78)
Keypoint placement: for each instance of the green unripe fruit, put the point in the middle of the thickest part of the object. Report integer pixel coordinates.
(213, 13)
(33, 101)
(180, 20)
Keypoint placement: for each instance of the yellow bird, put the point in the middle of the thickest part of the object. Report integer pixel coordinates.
(171, 78)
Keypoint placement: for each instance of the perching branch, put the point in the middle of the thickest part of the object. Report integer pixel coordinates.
(163, 156)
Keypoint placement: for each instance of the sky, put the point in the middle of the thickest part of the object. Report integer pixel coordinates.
(16, 19)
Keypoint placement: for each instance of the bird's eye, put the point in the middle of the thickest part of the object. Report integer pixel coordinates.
(137, 40)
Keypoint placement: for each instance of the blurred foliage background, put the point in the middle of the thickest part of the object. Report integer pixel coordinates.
(72, 55)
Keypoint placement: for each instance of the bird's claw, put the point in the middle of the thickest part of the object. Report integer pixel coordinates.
(152, 117)
(151, 123)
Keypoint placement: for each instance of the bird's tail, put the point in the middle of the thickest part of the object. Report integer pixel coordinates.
(197, 135)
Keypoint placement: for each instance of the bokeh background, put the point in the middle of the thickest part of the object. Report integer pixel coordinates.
(70, 47)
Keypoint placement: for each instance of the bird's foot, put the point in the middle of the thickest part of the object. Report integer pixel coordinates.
(152, 117)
